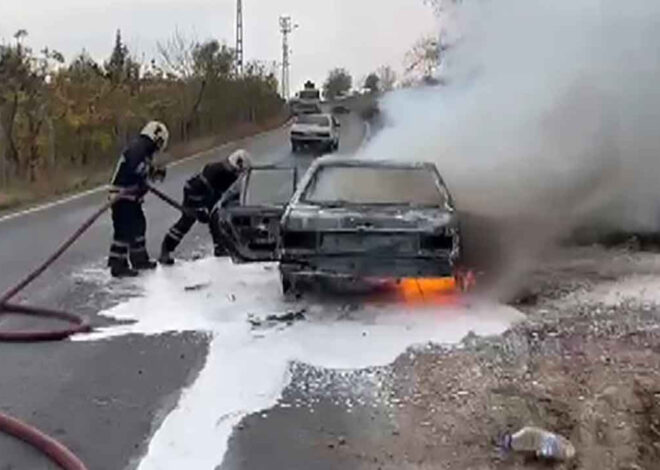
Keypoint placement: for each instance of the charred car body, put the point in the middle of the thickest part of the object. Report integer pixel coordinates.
(351, 219)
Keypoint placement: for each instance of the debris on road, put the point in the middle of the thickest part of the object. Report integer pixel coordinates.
(288, 318)
(541, 443)
(197, 287)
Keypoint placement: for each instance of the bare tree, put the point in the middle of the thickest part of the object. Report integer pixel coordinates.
(177, 56)
(387, 78)
(424, 57)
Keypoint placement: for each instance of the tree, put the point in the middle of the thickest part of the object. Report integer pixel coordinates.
(212, 60)
(439, 6)
(424, 57)
(387, 78)
(338, 81)
(372, 83)
(14, 71)
(116, 65)
(176, 56)
(55, 117)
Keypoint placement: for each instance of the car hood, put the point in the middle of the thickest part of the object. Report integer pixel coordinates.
(309, 128)
(368, 218)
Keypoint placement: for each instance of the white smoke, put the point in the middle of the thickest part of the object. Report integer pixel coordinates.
(552, 109)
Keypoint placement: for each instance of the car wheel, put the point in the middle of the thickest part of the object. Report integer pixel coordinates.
(294, 147)
(289, 286)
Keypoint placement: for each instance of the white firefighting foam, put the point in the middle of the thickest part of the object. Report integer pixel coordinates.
(247, 367)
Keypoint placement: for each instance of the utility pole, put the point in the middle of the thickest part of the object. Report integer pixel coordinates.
(286, 27)
(239, 37)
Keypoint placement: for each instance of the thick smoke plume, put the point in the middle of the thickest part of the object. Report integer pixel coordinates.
(551, 113)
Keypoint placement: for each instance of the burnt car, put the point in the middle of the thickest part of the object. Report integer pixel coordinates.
(348, 219)
(364, 219)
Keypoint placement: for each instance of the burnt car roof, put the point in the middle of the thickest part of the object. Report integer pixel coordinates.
(357, 162)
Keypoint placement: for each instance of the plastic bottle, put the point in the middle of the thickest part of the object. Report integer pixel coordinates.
(544, 444)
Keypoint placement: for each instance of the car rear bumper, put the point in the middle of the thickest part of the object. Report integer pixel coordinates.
(310, 139)
(368, 267)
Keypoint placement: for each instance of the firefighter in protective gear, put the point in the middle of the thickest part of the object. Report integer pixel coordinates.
(200, 195)
(128, 252)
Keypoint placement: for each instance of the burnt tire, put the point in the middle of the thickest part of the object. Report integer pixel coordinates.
(288, 285)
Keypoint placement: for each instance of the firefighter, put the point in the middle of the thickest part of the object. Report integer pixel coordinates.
(200, 195)
(128, 252)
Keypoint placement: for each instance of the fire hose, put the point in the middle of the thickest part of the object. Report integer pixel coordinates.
(54, 450)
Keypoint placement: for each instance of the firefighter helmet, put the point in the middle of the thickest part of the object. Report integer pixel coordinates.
(240, 160)
(158, 133)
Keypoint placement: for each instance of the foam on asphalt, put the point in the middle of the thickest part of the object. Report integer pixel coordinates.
(249, 366)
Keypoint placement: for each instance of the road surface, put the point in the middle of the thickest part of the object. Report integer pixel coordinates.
(104, 399)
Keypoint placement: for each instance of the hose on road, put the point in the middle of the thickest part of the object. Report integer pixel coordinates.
(57, 452)
(78, 324)
(54, 450)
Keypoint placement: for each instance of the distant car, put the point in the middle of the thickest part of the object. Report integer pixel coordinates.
(300, 108)
(361, 219)
(319, 130)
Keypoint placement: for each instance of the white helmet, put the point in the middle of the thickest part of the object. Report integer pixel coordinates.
(158, 133)
(240, 160)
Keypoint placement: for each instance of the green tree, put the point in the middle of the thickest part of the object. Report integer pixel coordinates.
(116, 65)
(14, 72)
(338, 81)
(372, 83)
(67, 120)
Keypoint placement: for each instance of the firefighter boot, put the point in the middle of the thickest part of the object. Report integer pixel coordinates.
(141, 261)
(165, 256)
(220, 251)
(121, 269)
(139, 257)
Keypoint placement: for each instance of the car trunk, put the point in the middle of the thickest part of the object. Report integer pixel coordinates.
(373, 232)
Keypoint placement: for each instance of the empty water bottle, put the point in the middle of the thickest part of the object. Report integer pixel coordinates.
(544, 444)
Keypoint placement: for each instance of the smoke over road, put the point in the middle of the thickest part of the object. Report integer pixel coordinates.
(550, 114)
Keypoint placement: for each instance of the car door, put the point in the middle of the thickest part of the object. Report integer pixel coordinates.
(254, 223)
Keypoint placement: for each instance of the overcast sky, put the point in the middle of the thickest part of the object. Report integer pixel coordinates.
(357, 34)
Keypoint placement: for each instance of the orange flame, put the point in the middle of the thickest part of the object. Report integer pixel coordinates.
(442, 290)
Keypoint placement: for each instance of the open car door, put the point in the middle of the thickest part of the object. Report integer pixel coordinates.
(252, 224)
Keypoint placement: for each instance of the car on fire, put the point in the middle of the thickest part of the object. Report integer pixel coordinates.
(348, 219)
(363, 219)
(320, 130)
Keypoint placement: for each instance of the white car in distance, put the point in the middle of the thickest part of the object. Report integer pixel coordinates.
(318, 130)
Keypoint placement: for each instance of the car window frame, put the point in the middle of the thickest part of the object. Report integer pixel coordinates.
(246, 180)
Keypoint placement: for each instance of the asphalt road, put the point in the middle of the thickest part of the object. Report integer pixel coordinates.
(104, 399)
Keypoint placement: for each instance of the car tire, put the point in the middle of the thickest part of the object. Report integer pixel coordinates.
(294, 147)
(289, 287)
